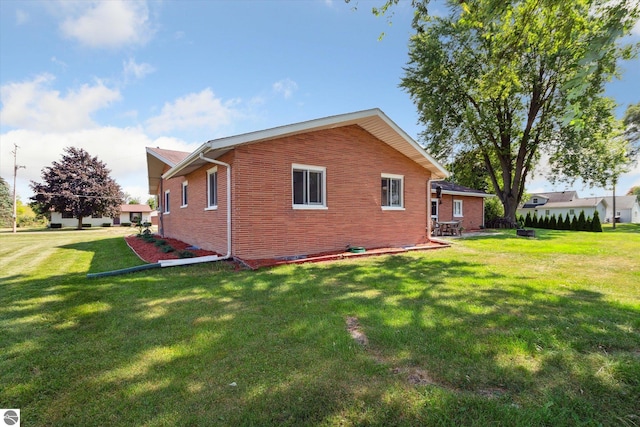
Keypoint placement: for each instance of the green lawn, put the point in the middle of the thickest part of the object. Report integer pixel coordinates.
(495, 330)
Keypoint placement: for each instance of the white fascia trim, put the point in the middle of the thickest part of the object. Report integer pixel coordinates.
(462, 193)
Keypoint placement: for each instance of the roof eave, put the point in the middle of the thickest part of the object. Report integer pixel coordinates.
(369, 120)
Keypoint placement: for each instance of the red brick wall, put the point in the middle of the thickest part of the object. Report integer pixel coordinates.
(194, 224)
(265, 225)
(472, 210)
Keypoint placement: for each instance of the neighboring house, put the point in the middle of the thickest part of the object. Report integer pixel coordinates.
(317, 186)
(128, 213)
(458, 203)
(562, 203)
(133, 213)
(627, 209)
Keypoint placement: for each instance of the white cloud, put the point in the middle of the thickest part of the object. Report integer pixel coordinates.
(138, 71)
(285, 87)
(123, 150)
(22, 17)
(107, 24)
(195, 110)
(59, 62)
(33, 105)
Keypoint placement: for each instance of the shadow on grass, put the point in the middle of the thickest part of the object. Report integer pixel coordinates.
(198, 347)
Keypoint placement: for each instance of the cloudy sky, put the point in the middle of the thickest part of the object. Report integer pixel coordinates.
(114, 77)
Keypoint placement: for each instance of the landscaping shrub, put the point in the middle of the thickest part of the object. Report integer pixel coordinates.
(545, 222)
(534, 220)
(574, 224)
(55, 225)
(582, 222)
(160, 242)
(186, 254)
(595, 224)
(167, 248)
(567, 223)
(125, 224)
(553, 223)
(86, 225)
(527, 220)
(106, 224)
(493, 210)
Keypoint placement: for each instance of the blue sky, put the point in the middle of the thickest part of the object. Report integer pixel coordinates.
(116, 76)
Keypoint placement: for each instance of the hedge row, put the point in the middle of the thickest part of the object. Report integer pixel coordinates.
(577, 223)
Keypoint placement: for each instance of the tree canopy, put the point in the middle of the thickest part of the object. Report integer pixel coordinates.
(79, 184)
(6, 204)
(513, 80)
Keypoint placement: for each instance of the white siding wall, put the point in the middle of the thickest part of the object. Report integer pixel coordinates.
(56, 218)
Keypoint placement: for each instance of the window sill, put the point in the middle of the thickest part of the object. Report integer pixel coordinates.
(166, 213)
(183, 206)
(392, 208)
(211, 208)
(310, 207)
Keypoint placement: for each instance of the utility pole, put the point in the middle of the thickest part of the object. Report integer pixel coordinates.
(15, 174)
(614, 204)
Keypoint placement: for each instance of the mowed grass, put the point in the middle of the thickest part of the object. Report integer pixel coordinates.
(496, 330)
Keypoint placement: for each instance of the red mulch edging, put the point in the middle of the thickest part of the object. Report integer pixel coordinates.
(151, 253)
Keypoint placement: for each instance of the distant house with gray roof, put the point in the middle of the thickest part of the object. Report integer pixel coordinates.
(563, 203)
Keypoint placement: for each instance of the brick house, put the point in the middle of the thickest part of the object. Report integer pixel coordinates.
(458, 203)
(307, 188)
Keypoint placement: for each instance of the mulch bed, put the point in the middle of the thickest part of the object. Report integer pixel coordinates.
(151, 253)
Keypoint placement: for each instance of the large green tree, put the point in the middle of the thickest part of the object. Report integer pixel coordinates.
(634, 191)
(79, 184)
(6, 204)
(512, 80)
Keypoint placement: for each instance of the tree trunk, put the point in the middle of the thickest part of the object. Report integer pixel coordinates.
(79, 223)
(510, 204)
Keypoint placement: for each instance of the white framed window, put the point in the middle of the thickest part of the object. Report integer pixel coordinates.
(391, 191)
(457, 208)
(166, 202)
(185, 194)
(547, 212)
(535, 200)
(309, 186)
(572, 212)
(212, 188)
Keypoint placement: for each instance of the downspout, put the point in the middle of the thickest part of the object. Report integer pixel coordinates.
(228, 166)
(162, 207)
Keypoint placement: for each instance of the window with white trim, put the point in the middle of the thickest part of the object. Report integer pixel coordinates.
(572, 212)
(547, 212)
(457, 208)
(391, 191)
(184, 194)
(212, 188)
(309, 187)
(166, 202)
